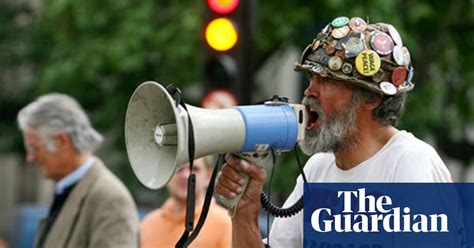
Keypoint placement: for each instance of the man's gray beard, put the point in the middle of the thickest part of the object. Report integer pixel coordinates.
(334, 133)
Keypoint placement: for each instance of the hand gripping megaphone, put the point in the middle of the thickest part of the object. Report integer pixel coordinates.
(156, 133)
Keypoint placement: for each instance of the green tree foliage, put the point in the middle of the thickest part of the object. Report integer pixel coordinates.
(100, 51)
(14, 70)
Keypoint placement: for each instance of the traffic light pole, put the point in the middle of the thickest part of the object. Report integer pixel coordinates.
(230, 37)
(247, 45)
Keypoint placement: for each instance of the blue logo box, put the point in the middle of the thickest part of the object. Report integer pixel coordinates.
(383, 215)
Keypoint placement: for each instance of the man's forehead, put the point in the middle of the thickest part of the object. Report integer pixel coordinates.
(31, 135)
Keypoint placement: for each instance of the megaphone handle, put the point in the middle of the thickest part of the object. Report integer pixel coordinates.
(231, 204)
(260, 160)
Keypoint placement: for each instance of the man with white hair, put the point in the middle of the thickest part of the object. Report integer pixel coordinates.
(91, 207)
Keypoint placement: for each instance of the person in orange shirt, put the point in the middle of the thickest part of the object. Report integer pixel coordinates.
(163, 227)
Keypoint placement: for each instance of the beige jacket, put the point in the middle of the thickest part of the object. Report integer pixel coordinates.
(99, 212)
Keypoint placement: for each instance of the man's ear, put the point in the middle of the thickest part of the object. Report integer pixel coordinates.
(373, 103)
(63, 140)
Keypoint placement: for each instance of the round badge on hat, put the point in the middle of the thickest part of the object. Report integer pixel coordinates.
(381, 43)
(388, 88)
(341, 32)
(399, 76)
(335, 63)
(347, 68)
(353, 46)
(401, 55)
(340, 21)
(357, 24)
(398, 55)
(367, 62)
(395, 35)
(406, 56)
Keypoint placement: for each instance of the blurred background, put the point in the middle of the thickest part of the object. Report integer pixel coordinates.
(100, 51)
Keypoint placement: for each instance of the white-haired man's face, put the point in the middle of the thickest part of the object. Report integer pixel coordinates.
(50, 160)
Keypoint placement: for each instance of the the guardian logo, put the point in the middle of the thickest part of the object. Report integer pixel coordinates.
(375, 215)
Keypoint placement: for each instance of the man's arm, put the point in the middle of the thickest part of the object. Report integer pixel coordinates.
(245, 229)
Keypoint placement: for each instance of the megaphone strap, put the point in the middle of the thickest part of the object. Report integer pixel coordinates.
(186, 237)
(176, 94)
(191, 194)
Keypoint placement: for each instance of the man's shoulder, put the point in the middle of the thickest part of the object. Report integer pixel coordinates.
(407, 144)
(106, 178)
(105, 185)
(416, 160)
(408, 150)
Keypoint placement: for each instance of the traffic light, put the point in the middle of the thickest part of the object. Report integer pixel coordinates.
(228, 63)
(221, 34)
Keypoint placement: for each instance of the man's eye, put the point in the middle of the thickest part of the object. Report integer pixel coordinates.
(34, 148)
(30, 149)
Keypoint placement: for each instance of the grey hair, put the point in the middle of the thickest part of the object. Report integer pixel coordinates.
(389, 111)
(53, 113)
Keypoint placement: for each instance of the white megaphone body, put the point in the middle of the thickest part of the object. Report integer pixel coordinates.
(156, 133)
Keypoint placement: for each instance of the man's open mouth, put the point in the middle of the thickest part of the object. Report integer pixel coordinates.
(313, 118)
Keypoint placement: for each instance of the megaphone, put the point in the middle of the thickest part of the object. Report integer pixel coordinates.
(156, 132)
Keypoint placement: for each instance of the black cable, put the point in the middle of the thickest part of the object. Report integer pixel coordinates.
(284, 212)
(278, 211)
(270, 193)
(299, 164)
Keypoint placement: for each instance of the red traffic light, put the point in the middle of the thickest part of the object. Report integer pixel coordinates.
(223, 6)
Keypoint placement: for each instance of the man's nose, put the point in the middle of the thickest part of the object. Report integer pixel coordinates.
(30, 158)
(312, 89)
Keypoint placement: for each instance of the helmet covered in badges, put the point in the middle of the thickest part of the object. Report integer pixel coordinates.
(368, 55)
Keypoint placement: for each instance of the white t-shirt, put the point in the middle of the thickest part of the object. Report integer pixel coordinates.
(403, 159)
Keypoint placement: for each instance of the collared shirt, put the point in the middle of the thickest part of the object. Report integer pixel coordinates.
(74, 176)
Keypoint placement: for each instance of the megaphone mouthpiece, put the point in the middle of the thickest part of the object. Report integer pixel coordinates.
(166, 134)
